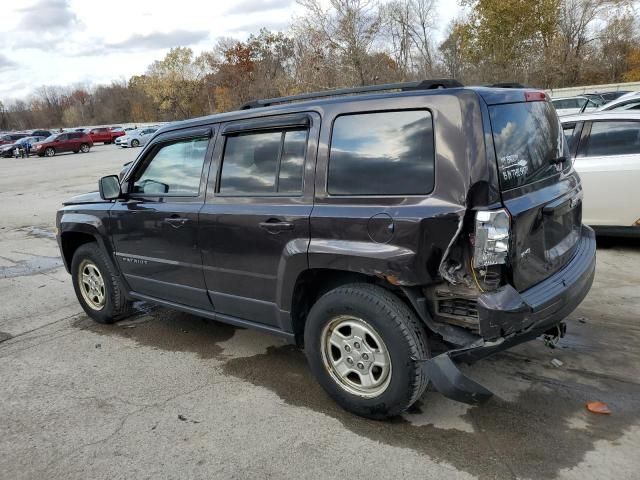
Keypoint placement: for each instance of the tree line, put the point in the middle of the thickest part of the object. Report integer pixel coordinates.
(542, 43)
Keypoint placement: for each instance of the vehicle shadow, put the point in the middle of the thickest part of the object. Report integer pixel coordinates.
(507, 437)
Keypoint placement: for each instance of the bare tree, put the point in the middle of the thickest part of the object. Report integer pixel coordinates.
(351, 28)
(411, 26)
(576, 29)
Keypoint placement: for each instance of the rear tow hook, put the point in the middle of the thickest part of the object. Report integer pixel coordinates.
(552, 336)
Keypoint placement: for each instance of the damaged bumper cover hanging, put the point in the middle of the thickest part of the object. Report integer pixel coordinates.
(508, 318)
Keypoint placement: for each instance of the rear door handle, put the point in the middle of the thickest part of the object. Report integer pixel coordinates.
(276, 226)
(176, 222)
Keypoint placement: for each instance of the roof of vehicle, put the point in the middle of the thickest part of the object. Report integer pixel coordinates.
(602, 115)
(491, 96)
(568, 98)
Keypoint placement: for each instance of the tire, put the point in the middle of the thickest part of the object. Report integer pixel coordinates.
(88, 259)
(135, 142)
(49, 152)
(389, 324)
(84, 148)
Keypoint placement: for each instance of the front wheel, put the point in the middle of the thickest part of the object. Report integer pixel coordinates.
(49, 152)
(362, 343)
(84, 148)
(96, 285)
(135, 143)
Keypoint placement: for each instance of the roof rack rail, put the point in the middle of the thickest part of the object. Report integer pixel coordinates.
(404, 86)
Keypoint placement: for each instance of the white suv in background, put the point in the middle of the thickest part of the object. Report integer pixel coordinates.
(605, 147)
(571, 105)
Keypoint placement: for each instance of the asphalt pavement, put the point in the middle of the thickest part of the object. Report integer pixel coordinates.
(169, 395)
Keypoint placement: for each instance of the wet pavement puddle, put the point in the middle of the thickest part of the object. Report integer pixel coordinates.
(531, 436)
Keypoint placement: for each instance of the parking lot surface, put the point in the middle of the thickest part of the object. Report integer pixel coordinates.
(169, 395)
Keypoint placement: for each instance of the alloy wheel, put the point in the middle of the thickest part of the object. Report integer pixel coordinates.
(355, 356)
(91, 285)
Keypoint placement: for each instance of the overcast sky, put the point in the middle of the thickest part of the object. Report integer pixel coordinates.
(66, 42)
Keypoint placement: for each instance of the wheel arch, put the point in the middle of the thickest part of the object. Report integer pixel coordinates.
(76, 229)
(312, 283)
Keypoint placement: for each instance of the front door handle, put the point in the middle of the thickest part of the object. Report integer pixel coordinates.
(274, 225)
(176, 222)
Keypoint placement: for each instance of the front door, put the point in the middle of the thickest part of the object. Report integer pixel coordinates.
(155, 228)
(255, 224)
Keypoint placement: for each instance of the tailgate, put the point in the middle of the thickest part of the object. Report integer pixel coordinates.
(541, 192)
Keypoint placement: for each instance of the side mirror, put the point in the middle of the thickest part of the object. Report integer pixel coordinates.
(109, 187)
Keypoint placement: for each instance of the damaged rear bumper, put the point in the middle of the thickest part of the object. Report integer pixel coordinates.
(508, 318)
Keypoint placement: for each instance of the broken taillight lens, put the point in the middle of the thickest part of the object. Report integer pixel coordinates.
(491, 239)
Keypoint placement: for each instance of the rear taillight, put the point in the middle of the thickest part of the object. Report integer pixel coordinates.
(491, 239)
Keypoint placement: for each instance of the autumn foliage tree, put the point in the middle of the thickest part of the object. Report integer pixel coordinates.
(342, 43)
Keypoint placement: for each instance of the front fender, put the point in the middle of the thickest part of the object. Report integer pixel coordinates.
(89, 224)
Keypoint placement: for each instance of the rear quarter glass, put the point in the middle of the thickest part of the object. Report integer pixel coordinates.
(528, 138)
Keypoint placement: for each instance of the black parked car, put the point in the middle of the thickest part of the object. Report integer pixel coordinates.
(41, 133)
(359, 224)
(21, 147)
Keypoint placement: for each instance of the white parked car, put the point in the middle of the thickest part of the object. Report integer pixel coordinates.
(571, 105)
(136, 138)
(605, 147)
(629, 101)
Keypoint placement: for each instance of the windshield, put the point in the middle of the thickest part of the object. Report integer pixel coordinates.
(528, 139)
(51, 138)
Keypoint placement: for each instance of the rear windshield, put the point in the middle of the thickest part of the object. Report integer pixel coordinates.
(528, 137)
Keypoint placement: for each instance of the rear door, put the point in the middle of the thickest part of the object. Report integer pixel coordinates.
(62, 143)
(539, 188)
(254, 227)
(608, 160)
(74, 141)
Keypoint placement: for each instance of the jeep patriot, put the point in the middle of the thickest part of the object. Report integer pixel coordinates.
(364, 225)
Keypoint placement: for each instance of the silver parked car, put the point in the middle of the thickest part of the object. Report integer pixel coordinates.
(629, 101)
(136, 138)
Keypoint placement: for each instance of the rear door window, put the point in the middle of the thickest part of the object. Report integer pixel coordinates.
(528, 137)
(263, 163)
(612, 138)
(633, 105)
(385, 153)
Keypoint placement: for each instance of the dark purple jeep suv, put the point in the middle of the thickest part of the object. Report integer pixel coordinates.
(361, 224)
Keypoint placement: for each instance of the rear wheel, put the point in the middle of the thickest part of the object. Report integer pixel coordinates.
(362, 342)
(84, 148)
(49, 152)
(96, 285)
(135, 142)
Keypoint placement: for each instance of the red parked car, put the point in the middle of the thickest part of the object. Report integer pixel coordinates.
(104, 135)
(63, 142)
